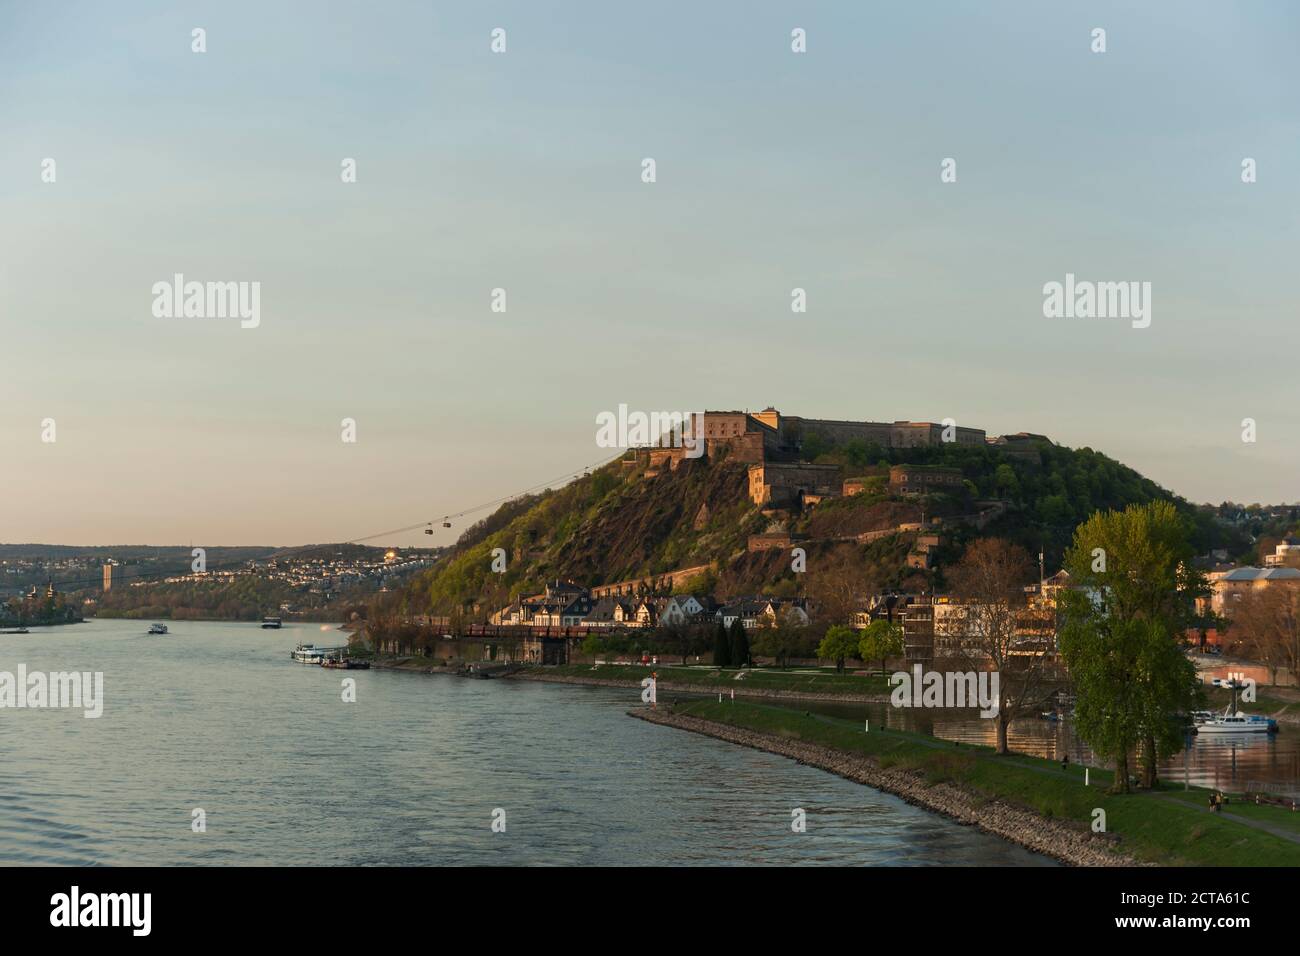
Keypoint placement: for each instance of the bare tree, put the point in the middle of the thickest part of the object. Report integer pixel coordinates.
(1266, 624)
(989, 584)
(837, 583)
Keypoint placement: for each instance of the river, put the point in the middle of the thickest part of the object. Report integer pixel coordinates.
(216, 717)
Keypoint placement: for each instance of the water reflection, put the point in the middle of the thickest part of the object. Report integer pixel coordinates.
(1219, 760)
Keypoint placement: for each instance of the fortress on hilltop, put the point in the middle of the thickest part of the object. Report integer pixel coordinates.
(776, 448)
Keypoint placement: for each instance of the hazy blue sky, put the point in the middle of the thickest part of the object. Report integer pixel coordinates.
(522, 171)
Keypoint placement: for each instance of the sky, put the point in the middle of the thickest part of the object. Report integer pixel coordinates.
(523, 170)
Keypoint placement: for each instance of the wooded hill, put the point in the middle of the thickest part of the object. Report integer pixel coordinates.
(620, 523)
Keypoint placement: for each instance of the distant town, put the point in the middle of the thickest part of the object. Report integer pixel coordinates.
(316, 583)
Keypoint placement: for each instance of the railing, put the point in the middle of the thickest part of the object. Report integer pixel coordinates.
(1280, 789)
(526, 631)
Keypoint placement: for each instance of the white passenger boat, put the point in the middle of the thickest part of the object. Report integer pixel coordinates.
(157, 628)
(308, 654)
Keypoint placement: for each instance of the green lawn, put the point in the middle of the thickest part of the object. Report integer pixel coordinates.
(1279, 817)
(1266, 701)
(1180, 832)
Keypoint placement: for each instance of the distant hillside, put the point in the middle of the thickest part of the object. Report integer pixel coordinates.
(620, 523)
(346, 552)
(130, 552)
(78, 567)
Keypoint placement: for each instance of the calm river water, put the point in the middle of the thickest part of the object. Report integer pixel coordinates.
(217, 717)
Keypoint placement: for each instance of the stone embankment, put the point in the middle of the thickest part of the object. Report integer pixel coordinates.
(1068, 842)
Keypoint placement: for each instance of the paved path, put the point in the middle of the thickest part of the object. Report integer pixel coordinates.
(1279, 832)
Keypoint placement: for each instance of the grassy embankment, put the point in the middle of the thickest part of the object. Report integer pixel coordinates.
(706, 679)
(1276, 701)
(1168, 826)
(402, 662)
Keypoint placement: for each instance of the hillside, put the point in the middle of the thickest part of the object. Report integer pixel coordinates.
(1045, 499)
(613, 524)
(621, 523)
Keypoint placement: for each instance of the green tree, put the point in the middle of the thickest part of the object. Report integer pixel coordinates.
(721, 647)
(1172, 688)
(1134, 597)
(880, 640)
(1006, 482)
(786, 640)
(1101, 654)
(814, 446)
(739, 644)
(593, 646)
(839, 643)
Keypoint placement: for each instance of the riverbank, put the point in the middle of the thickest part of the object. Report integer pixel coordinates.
(775, 684)
(414, 665)
(757, 684)
(1280, 703)
(9, 627)
(1057, 839)
(1031, 802)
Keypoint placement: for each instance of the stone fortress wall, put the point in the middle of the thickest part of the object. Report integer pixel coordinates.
(771, 443)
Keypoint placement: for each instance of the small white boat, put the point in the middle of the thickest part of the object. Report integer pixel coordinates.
(308, 654)
(1238, 723)
(157, 628)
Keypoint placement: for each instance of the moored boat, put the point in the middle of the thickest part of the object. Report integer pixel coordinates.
(307, 654)
(345, 663)
(271, 622)
(1236, 723)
